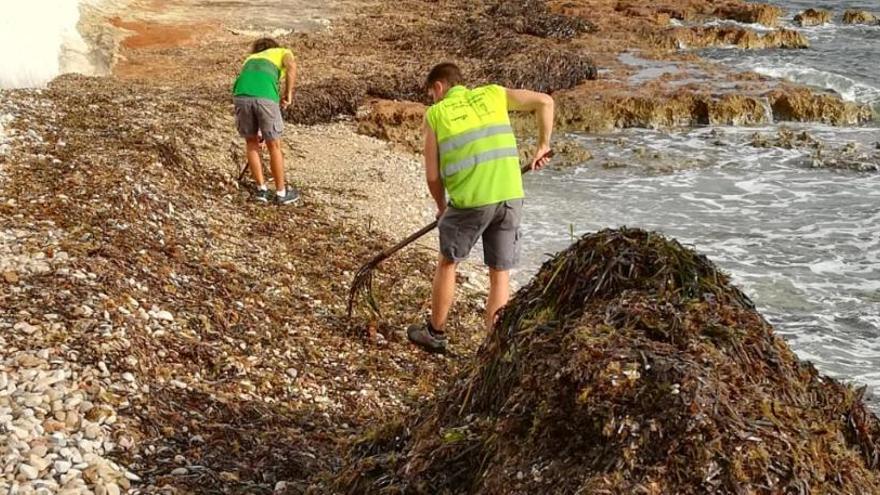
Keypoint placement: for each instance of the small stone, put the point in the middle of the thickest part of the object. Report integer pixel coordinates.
(10, 277)
(112, 489)
(58, 439)
(62, 467)
(129, 377)
(90, 474)
(39, 451)
(92, 431)
(179, 471)
(164, 316)
(177, 383)
(72, 420)
(25, 328)
(53, 426)
(39, 463)
(280, 486)
(28, 471)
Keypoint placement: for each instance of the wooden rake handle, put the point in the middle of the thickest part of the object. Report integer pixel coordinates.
(386, 253)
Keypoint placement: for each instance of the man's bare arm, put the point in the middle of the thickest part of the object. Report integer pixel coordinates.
(432, 167)
(289, 80)
(543, 106)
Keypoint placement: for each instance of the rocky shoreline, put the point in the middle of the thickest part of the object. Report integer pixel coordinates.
(161, 333)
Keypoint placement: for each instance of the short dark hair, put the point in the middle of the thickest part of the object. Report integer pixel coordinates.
(264, 44)
(446, 72)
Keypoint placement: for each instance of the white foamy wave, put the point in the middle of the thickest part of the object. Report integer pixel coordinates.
(849, 89)
(38, 41)
(731, 23)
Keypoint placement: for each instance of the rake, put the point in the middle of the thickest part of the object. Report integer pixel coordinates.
(363, 279)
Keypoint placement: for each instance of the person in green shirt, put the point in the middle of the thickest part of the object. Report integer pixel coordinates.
(263, 88)
(473, 173)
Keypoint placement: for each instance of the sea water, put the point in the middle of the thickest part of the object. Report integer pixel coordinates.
(804, 243)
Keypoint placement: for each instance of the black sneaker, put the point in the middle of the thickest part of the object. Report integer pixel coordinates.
(291, 196)
(427, 338)
(261, 195)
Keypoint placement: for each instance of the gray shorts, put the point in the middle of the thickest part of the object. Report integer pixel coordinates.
(497, 224)
(258, 114)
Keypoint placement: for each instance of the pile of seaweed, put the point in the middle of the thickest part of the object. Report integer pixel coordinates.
(629, 365)
(515, 44)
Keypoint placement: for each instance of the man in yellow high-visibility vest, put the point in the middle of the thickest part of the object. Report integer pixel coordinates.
(473, 173)
(259, 99)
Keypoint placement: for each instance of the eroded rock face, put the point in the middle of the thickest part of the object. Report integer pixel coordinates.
(803, 105)
(715, 36)
(859, 17)
(575, 112)
(767, 15)
(813, 17)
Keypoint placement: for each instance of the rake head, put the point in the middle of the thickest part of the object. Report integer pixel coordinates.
(362, 289)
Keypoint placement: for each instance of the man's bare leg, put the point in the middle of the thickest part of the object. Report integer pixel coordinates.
(252, 148)
(499, 294)
(443, 292)
(276, 162)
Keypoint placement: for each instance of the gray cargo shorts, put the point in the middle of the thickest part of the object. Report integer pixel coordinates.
(258, 114)
(497, 224)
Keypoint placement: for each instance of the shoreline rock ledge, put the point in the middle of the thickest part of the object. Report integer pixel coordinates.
(629, 364)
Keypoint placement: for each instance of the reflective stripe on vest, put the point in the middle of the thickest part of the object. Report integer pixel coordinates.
(469, 137)
(474, 160)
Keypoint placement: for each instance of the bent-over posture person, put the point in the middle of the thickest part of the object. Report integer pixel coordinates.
(473, 172)
(259, 99)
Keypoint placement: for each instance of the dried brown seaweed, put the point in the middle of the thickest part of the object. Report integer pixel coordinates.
(522, 46)
(629, 365)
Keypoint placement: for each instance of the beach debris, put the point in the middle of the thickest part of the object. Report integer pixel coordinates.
(629, 364)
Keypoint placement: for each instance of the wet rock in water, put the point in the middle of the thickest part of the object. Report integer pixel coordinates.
(850, 156)
(785, 138)
(813, 17)
(722, 36)
(803, 105)
(567, 153)
(629, 364)
(860, 17)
